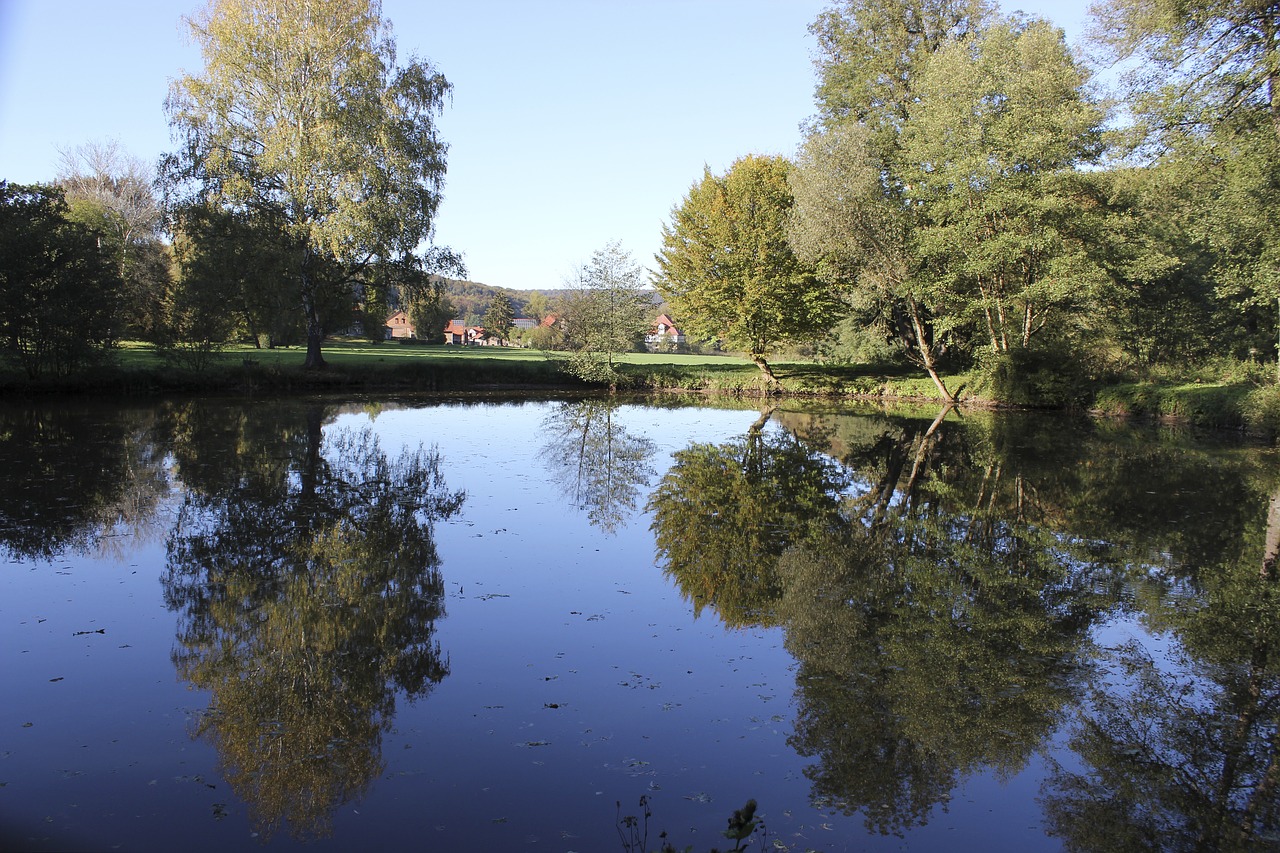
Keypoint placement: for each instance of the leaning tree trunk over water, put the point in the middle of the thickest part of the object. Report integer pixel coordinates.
(925, 348)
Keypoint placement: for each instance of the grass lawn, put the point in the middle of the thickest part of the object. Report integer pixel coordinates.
(362, 366)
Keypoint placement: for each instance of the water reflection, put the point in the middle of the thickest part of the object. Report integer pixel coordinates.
(598, 465)
(953, 592)
(940, 582)
(724, 513)
(305, 574)
(1182, 754)
(77, 478)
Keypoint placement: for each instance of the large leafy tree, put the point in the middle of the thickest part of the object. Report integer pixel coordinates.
(728, 271)
(989, 151)
(303, 114)
(60, 292)
(1203, 86)
(851, 216)
(938, 183)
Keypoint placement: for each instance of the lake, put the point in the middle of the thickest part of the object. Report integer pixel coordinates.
(561, 624)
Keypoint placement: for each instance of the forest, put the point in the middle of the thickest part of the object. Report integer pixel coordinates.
(972, 198)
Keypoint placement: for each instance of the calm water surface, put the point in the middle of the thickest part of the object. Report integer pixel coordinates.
(412, 624)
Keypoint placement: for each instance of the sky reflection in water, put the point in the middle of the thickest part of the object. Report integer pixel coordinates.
(480, 625)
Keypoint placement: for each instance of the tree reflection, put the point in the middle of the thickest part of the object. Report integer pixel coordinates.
(307, 580)
(76, 476)
(1182, 754)
(597, 464)
(940, 625)
(725, 513)
(938, 635)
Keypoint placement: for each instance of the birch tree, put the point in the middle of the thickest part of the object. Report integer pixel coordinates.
(302, 113)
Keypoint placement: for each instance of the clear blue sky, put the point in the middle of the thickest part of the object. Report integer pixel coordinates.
(573, 123)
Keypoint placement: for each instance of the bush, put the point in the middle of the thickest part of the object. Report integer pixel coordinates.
(1261, 410)
(1034, 377)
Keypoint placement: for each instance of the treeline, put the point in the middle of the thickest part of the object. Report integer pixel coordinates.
(472, 299)
(967, 200)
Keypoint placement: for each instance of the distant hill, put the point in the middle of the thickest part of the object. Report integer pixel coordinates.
(472, 298)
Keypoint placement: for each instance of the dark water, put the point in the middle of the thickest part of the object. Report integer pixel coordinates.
(480, 626)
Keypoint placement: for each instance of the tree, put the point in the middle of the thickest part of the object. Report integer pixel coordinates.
(303, 115)
(537, 306)
(430, 310)
(939, 183)
(111, 192)
(728, 271)
(869, 57)
(606, 311)
(1203, 85)
(989, 151)
(845, 225)
(60, 293)
(230, 269)
(498, 317)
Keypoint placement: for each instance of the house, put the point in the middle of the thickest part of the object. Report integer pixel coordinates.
(455, 333)
(475, 336)
(663, 335)
(524, 323)
(399, 326)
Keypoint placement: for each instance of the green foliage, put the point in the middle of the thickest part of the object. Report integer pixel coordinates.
(302, 113)
(1041, 378)
(938, 188)
(232, 275)
(430, 310)
(1202, 90)
(60, 294)
(1262, 410)
(728, 271)
(605, 313)
(989, 150)
(498, 317)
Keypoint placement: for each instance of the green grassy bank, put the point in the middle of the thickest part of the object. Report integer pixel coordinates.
(137, 370)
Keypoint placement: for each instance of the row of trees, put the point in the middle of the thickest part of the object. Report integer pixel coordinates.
(963, 194)
(304, 188)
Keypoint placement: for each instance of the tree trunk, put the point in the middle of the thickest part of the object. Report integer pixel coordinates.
(315, 337)
(926, 354)
(764, 368)
(311, 313)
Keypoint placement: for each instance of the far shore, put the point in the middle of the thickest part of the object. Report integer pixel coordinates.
(137, 370)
